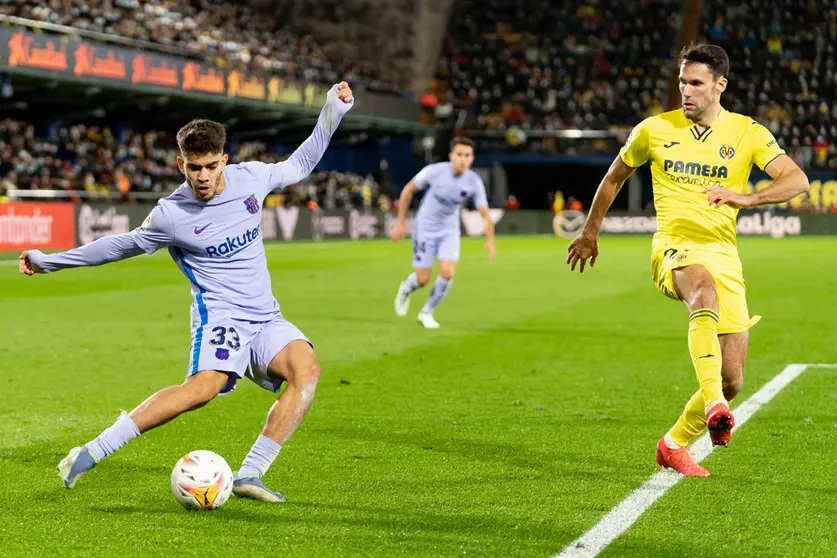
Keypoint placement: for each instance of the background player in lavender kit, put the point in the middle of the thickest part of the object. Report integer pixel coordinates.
(446, 186)
(211, 227)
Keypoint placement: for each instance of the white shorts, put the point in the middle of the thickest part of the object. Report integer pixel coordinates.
(242, 348)
(444, 247)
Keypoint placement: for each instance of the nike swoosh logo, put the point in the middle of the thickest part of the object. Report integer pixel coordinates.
(672, 144)
(201, 229)
(705, 356)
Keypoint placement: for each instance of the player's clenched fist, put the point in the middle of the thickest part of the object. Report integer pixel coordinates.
(344, 92)
(27, 266)
(581, 249)
(398, 232)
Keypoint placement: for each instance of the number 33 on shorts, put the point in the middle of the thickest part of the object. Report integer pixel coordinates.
(225, 336)
(219, 347)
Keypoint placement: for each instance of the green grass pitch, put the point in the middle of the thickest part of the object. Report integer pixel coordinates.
(510, 431)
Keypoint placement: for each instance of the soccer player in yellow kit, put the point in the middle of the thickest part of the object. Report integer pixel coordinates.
(701, 157)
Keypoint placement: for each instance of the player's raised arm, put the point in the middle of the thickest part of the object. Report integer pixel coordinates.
(303, 160)
(404, 201)
(586, 246)
(157, 231)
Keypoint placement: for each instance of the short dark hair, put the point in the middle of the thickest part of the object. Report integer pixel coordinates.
(461, 140)
(201, 137)
(713, 56)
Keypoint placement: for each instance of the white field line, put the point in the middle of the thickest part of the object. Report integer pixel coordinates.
(631, 508)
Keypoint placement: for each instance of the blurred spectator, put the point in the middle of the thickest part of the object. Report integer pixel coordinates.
(783, 70)
(92, 159)
(278, 37)
(543, 65)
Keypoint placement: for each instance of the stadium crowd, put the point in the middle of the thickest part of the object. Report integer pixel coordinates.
(518, 66)
(794, 54)
(299, 44)
(551, 65)
(94, 160)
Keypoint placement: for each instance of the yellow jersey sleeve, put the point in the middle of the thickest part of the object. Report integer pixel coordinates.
(636, 149)
(765, 148)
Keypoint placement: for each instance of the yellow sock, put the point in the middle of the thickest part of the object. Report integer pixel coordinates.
(691, 422)
(706, 354)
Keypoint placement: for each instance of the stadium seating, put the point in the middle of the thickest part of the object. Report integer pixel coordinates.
(92, 159)
(302, 42)
(549, 65)
(793, 54)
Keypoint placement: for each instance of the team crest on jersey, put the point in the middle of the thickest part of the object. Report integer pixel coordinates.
(463, 193)
(252, 204)
(147, 222)
(222, 354)
(727, 152)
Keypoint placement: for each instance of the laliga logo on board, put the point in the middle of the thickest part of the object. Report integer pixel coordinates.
(727, 152)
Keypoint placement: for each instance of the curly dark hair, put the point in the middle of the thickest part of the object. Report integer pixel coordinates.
(201, 137)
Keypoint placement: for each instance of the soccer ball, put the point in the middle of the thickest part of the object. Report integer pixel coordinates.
(201, 480)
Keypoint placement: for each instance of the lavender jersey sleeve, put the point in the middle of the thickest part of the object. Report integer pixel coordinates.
(105, 250)
(427, 175)
(306, 157)
(157, 231)
(479, 196)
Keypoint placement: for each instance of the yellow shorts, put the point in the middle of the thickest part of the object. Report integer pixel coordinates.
(725, 268)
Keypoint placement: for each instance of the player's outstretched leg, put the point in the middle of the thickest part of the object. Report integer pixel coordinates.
(696, 287)
(408, 286)
(158, 409)
(437, 294)
(298, 365)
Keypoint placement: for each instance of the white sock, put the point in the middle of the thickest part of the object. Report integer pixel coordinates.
(260, 458)
(709, 407)
(410, 285)
(670, 443)
(123, 431)
(437, 295)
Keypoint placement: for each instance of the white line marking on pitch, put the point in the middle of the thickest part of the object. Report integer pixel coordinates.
(628, 511)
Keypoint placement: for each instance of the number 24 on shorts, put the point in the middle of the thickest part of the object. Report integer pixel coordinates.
(221, 333)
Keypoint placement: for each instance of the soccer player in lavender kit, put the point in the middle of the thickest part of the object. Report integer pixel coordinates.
(211, 227)
(446, 186)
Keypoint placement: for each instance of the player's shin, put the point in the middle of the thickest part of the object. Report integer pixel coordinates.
(440, 290)
(284, 418)
(690, 424)
(705, 350)
(410, 285)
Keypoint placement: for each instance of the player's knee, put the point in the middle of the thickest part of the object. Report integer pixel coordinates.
(423, 277)
(733, 386)
(305, 371)
(446, 274)
(204, 387)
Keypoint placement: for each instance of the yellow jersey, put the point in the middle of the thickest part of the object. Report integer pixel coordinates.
(685, 161)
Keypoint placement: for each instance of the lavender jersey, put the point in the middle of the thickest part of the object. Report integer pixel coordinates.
(217, 244)
(438, 214)
(236, 323)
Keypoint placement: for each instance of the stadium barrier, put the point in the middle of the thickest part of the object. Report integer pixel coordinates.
(66, 56)
(58, 225)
